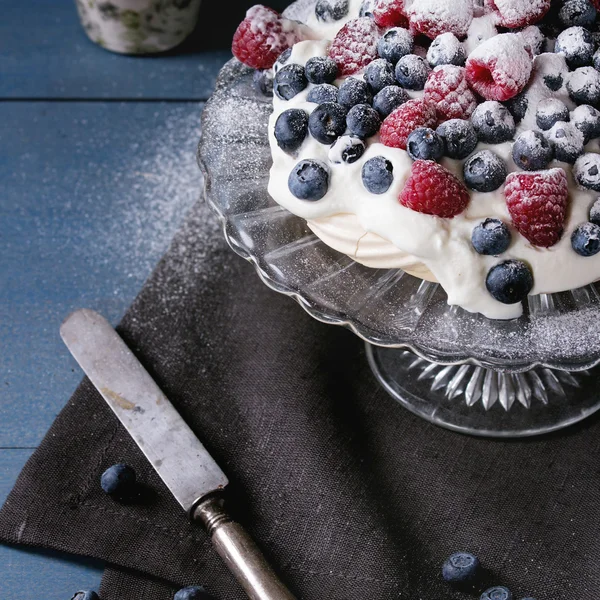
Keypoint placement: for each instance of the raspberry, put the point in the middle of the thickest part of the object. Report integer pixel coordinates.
(262, 36)
(390, 13)
(398, 125)
(520, 13)
(433, 190)
(448, 89)
(433, 17)
(355, 45)
(537, 202)
(499, 68)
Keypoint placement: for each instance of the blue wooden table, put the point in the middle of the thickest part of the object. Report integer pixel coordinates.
(97, 170)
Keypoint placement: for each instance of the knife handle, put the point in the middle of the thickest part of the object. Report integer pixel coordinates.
(241, 555)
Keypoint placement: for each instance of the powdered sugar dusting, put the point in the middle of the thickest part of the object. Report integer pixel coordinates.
(165, 186)
(434, 17)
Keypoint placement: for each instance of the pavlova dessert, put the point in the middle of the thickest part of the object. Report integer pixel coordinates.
(454, 139)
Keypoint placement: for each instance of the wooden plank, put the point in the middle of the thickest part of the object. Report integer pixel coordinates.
(90, 197)
(35, 573)
(44, 53)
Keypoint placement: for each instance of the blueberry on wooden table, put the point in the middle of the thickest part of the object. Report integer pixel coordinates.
(461, 567)
(85, 595)
(193, 592)
(118, 480)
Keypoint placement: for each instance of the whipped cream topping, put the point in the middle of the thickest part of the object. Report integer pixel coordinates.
(379, 232)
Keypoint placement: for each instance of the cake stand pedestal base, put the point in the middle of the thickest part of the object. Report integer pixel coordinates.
(485, 402)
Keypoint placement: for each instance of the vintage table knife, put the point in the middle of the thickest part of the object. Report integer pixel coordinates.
(176, 454)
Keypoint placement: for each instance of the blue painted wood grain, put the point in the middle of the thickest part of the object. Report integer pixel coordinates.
(90, 197)
(28, 574)
(44, 53)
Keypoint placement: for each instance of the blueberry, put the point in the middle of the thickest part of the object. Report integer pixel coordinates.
(425, 144)
(379, 74)
(595, 212)
(583, 86)
(596, 59)
(461, 567)
(460, 138)
(291, 128)
(549, 112)
(118, 480)
(321, 69)
(587, 171)
(363, 120)
(532, 151)
(534, 38)
(577, 46)
(262, 80)
(518, 106)
(193, 592)
(354, 91)
(412, 72)
(389, 99)
(491, 237)
(484, 171)
(499, 592)
(366, 8)
(446, 50)
(289, 81)
(508, 282)
(346, 149)
(577, 12)
(324, 92)
(309, 180)
(567, 142)
(553, 81)
(493, 122)
(587, 119)
(327, 122)
(329, 11)
(282, 59)
(394, 44)
(85, 595)
(586, 239)
(377, 175)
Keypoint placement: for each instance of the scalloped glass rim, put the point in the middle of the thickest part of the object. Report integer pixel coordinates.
(386, 308)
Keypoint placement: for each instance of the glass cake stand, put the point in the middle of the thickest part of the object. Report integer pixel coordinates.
(458, 370)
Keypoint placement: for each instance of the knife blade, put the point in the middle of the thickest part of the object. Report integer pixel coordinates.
(181, 461)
